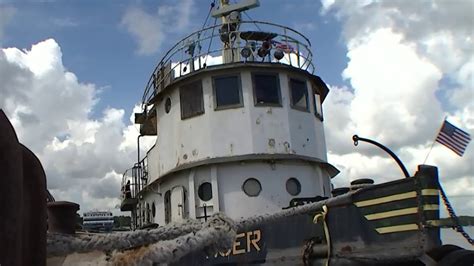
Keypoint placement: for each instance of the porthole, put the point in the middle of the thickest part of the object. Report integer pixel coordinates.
(205, 191)
(168, 105)
(153, 209)
(293, 186)
(252, 187)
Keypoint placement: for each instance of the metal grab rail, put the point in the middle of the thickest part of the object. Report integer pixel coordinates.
(138, 177)
(188, 52)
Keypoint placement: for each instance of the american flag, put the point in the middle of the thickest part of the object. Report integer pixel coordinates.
(453, 138)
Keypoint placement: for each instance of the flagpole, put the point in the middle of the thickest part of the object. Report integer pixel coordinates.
(432, 144)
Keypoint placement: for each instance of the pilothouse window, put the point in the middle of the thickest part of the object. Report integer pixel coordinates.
(191, 100)
(266, 89)
(299, 95)
(318, 108)
(227, 91)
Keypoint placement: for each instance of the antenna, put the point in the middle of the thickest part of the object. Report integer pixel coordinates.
(230, 16)
(225, 8)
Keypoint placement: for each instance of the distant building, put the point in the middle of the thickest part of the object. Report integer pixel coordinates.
(98, 221)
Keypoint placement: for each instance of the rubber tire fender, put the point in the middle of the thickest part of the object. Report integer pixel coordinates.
(462, 257)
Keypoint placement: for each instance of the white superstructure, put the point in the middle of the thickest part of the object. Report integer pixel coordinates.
(243, 136)
(98, 221)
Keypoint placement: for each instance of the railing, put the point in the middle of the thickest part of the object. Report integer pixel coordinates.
(197, 51)
(134, 179)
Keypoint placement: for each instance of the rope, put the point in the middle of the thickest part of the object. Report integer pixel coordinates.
(218, 234)
(170, 243)
(175, 240)
(60, 244)
(457, 225)
(213, 4)
(322, 216)
(251, 222)
(210, 43)
(256, 25)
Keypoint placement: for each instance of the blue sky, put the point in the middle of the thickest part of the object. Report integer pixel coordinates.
(97, 47)
(72, 71)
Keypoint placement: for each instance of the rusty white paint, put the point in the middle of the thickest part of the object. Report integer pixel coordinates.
(240, 131)
(233, 132)
(177, 204)
(272, 177)
(231, 199)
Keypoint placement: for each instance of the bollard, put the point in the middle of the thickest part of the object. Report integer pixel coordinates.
(62, 217)
(339, 191)
(11, 195)
(361, 183)
(34, 210)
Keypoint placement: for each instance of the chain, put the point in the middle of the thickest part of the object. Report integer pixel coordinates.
(454, 217)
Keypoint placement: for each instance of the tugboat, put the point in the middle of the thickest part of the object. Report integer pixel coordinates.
(236, 109)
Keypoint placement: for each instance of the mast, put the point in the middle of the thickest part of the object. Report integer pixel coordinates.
(230, 17)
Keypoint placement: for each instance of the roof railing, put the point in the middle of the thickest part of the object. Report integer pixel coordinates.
(206, 47)
(134, 180)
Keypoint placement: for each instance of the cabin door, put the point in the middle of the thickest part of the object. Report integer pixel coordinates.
(177, 204)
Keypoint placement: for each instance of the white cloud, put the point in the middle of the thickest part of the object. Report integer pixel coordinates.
(146, 28)
(50, 110)
(400, 55)
(150, 29)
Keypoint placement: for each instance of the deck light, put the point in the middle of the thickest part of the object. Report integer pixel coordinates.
(265, 49)
(246, 52)
(278, 54)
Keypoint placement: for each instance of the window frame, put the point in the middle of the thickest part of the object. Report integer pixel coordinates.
(187, 85)
(248, 180)
(298, 186)
(168, 100)
(239, 85)
(256, 103)
(292, 105)
(200, 191)
(320, 116)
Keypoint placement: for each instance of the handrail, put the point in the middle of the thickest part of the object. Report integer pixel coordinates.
(201, 38)
(138, 177)
(356, 140)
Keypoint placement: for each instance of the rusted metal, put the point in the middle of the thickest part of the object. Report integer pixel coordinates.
(308, 251)
(34, 210)
(22, 201)
(11, 194)
(62, 217)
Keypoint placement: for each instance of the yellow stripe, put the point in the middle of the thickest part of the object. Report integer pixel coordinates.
(429, 192)
(433, 222)
(400, 212)
(401, 196)
(395, 197)
(397, 228)
(430, 207)
(382, 215)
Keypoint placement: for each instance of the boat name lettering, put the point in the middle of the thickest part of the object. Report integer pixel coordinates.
(244, 243)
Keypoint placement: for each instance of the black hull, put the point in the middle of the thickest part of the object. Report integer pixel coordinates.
(389, 224)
